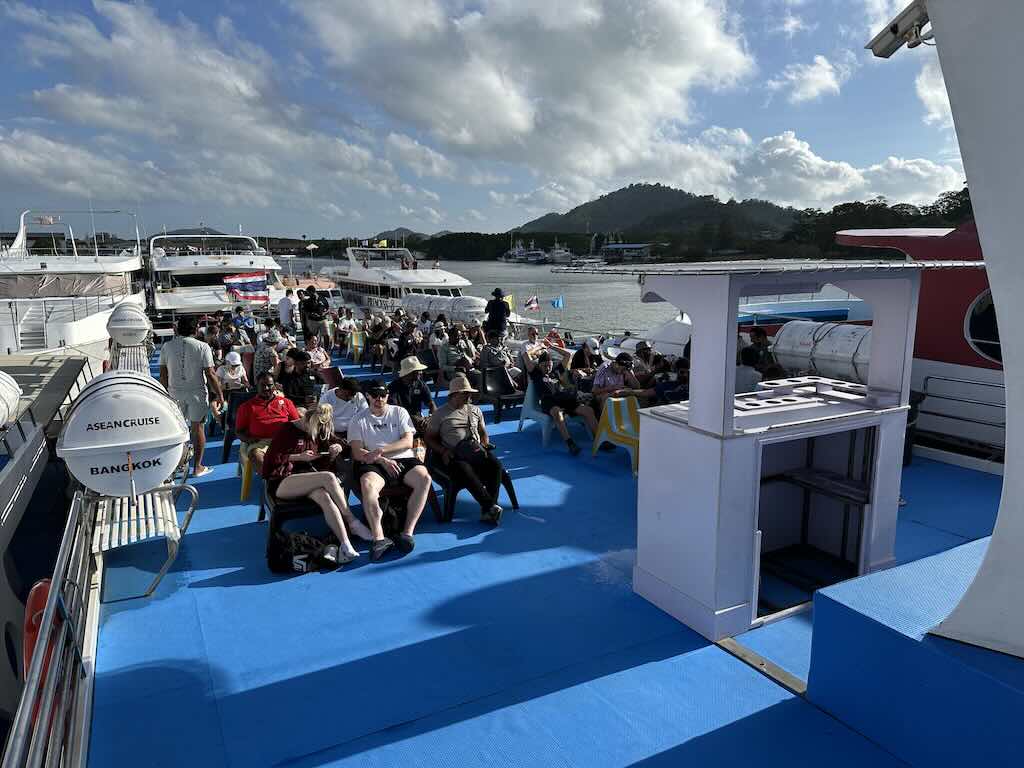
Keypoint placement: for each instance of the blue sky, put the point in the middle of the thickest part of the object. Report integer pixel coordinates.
(336, 118)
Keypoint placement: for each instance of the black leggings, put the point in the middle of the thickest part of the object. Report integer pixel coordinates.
(481, 475)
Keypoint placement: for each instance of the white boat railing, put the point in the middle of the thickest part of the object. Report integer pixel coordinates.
(41, 732)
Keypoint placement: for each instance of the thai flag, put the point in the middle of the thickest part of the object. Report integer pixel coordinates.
(251, 286)
(532, 304)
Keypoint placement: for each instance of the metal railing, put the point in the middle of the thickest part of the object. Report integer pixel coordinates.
(41, 733)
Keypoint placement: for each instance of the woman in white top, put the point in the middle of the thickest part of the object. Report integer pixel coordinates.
(232, 373)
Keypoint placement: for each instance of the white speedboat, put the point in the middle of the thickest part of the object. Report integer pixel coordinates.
(188, 273)
(380, 278)
(59, 297)
(520, 254)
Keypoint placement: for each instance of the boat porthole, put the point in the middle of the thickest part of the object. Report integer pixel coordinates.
(981, 329)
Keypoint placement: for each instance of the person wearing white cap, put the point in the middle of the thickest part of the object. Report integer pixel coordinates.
(457, 435)
(232, 373)
(585, 362)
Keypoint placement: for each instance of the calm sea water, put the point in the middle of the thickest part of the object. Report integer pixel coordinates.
(593, 303)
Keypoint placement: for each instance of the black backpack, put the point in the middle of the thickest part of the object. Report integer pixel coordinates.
(283, 547)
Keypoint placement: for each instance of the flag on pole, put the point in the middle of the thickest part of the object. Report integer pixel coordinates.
(532, 304)
(365, 243)
(511, 301)
(382, 244)
(558, 302)
(249, 286)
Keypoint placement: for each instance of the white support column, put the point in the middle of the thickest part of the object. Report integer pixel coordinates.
(982, 60)
(711, 301)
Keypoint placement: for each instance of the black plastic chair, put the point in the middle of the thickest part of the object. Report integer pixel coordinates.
(451, 484)
(496, 387)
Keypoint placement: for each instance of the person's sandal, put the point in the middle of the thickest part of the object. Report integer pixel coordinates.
(379, 548)
(491, 515)
(573, 448)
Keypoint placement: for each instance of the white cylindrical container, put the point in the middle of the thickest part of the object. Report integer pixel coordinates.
(10, 394)
(128, 325)
(835, 350)
(123, 435)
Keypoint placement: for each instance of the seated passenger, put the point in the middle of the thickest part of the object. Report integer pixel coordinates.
(266, 357)
(457, 434)
(585, 362)
(318, 357)
(260, 417)
(495, 355)
(410, 391)
(382, 438)
(747, 376)
(298, 465)
(299, 384)
(615, 379)
(759, 343)
(232, 373)
(556, 400)
(346, 401)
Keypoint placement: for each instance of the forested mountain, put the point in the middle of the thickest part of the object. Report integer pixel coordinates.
(650, 209)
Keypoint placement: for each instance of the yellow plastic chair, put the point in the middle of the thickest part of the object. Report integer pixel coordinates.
(356, 345)
(247, 470)
(620, 425)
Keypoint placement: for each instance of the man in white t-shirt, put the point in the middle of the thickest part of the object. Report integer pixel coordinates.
(346, 400)
(286, 311)
(381, 439)
(187, 372)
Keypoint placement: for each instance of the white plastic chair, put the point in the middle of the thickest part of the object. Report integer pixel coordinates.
(531, 410)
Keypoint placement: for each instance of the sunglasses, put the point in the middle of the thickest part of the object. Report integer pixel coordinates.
(379, 393)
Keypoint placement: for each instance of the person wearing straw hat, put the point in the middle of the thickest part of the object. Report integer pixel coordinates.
(457, 435)
(410, 391)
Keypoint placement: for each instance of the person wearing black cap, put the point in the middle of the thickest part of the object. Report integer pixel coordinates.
(313, 312)
(556, 400)
(615, 379)
(498, 313)
(298, 382)
(381, 439)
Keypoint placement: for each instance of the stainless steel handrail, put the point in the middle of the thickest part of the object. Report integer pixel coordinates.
(39, 730)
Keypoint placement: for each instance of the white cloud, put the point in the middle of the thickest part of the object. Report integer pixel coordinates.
(422, 160)
(878, 13)
(541, 84)
(419, 193)
(26, 157)
(808, 82)
(475, 215)
(791, 24)
(931, 90)
(190, 90)
(786, 170)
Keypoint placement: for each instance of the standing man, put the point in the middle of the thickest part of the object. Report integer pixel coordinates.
(456, 432)
(497, 313)
(286, 311)
(187, 372)
(313, 310)
(381, 440)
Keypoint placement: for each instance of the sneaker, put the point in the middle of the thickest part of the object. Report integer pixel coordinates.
(573, 448)
(330, 554)
(405, 542)
(344, 558)
(492, 515)
(379, 548)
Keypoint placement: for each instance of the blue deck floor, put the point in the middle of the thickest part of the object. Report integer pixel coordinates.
(521, 645)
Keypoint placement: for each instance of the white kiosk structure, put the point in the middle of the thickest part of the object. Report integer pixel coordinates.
(800, 479)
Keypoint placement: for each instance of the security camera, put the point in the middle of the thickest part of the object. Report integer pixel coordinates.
(904, 29)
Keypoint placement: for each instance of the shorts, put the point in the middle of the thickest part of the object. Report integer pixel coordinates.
(195, 408)
(405, 466)
(256, 445)
(567, 401)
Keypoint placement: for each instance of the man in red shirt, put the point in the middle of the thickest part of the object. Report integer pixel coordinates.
(259, 418)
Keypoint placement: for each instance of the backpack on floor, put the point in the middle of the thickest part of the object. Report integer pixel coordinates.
(286, 552)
